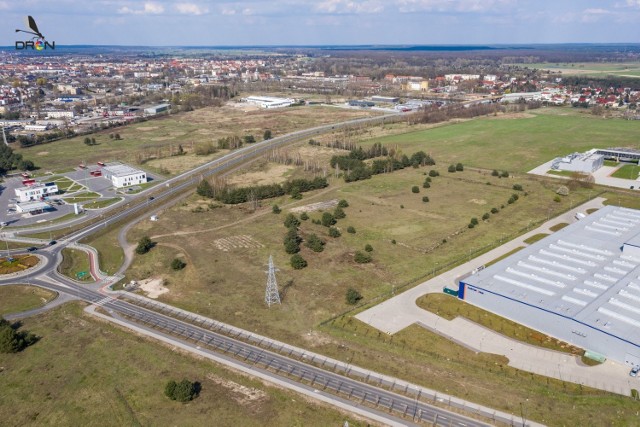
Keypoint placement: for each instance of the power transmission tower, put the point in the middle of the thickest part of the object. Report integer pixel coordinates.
(272, 296)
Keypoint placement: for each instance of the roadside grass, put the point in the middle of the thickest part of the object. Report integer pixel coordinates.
(81, 197)
(421, 356)
(162, 136)
(624, 199)
(18, 298)
(101, 203)
(560, 173)
(19, 263)
(90, 372)
(630, 172)
(110, 254)
(558, 227)
(4, 244)
(535, 238)
(75, 262)
(507, 255)
(449, 308)
(514, 143)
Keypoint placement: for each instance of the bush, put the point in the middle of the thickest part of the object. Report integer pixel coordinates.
(433, 173)
(415, 189)
(459, 167)
(486, 216)
(504, 174)
(471, 225)
(12, 341)
(451, 168)
(362, 258)
(276, 209)
(249, 139)
(353, 296)
(368, 248)
(291, 221)
(178, 264)
(393, 241)
(184, 391)
(425, 199)
(304, 216)
(327, 219)
(494, 210)
(339, 213)
(495, 173)
(267, 134)
(144, 245)
(474, 221)
(427, 179)
(343, 204)
(563, 190)
(315, 243)
(557, 199)
(351, 230)
(334, 232)
(297, 262)
(517, 187)
(426, 185)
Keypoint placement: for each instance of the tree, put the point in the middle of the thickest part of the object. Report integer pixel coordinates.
(93, 141)
(353, 296)
(451, 168)
(459, 167)
(12, 341)
(426, 185)
(297, 262)
(485, 216)
(368, 248)
(315, 243)
(180, 150)
(178, 264)
(205, 189)
(117, 136)
(334, 232)
(26, 165)
(494, 210)
(495, 173)
(291, 221)
(276, 209)
(517, 187)
(327, 219)
(249, 139)
(351, 230)
(144, 245)
(304, 216)
(425, 199)
(415, 189)
(433, 173)
(362, 258)
(343, 204)
(504, 174)
(184, 391)
(339, 213)
(87, 141)
(267, 134)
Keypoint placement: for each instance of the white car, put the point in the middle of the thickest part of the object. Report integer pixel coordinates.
(634, 371)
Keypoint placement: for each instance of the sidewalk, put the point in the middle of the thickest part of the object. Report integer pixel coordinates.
(401, 311)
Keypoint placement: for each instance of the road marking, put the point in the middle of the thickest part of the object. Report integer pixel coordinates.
(103, 301)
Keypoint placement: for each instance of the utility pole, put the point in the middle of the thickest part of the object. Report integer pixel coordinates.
(272, 296)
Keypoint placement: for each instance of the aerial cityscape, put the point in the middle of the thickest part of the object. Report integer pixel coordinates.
(331, 213)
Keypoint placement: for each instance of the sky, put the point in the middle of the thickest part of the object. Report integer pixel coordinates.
(322, 22)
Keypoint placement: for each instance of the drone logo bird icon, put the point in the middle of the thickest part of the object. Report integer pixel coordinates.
(31, 23)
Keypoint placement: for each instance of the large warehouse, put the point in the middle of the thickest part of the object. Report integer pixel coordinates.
(580, 284)
(122, 175)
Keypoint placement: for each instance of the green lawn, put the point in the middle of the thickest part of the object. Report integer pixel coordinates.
(101, 203)
(594, 69)
(75, 262)
(81, 197)
(515, 144)
(627, 172)
(535, 238)
(18, 298)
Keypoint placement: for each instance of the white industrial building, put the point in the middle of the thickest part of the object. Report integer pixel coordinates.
(60, 114)
(36, 192)
(157, 109)
(122, 175)
(588, 162)
(580, 284)
(33, 207)
(269, 101)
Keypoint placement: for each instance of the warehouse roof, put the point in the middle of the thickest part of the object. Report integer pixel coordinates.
(118, 169)
(589, 272)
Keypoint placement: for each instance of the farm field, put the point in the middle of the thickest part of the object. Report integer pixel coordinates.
(17, 298)
(154, 141)
(517, 142)
(88, 370)
(626, 69)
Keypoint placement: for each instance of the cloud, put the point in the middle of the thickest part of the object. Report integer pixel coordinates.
(228, 11)
(150, 8)
(191, 9)
(462, 6)
(633, 3)
(348, 6)
(4, 5)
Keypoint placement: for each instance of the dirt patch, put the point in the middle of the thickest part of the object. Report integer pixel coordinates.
(316, 206)
(241, 394)
(154, 287)
(42, 153)
(478, 201)
(146, 128)
(274, 173)
(315, 339)
(513, 116)
(237, 242)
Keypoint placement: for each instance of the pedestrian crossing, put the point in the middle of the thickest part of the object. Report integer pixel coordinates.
(103, 301)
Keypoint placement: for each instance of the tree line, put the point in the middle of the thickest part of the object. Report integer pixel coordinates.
(234, 196)
(10, 160)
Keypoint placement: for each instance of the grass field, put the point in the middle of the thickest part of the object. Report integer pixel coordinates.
(160, 137)
(85, 372)
(101, 203)
(593, 69)
(75, 262)
(516, 143)
(18, 298)
(627, 172)
(81, 197)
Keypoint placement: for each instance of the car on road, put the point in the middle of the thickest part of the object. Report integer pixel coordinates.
(31, 249)
(53, 242)
(634, 371)
(151, 198)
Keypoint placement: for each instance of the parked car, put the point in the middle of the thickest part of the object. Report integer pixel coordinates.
(634, 371)
(32, 248)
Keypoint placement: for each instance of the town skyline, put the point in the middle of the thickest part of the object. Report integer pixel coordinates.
(328, 22)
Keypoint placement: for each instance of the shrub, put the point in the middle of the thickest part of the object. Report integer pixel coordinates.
(562, 190)
(495, 173)
(144, 245)
(415, 189)
(517, 187)
(474, 221)
(451, 168)
(362, 258)
(12, 341)
(291, 221)
(184, 391)
(249, 139)
(178, 264)
(494, 210)
(353, 296)
(334, 232)
(426, 185)
(328, 220)
(557, 199)
(343, 204)
(486, 216)
(433, 173)
(401, 206)
(368, 248)
(338, 213)
(504, 174)
(291, 246)
(297, 262)
(427, 179)
(315, 221)
(304, 216)
(425, 199)
(205, 189)
(267, 134)
(315, 243)
(471, 225)
(351, 230)
(276, 209)
(393, 241)
(459, 167)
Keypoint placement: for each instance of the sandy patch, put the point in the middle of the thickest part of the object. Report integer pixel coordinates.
(237, 242)
(513, 116)
(275, 173)
(316, 206)
(42, 153)
(478, 201)
(154, 287)
(146, 128)
(241, 394)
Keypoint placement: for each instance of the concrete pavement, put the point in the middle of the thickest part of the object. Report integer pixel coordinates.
(401, 311)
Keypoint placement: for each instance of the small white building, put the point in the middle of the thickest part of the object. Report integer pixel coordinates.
(269, 101)
(588, 162)
(33, 207)
(122, 175)
(36, 192)
(60, 114)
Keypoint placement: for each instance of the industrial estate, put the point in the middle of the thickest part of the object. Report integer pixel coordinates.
(444, 237)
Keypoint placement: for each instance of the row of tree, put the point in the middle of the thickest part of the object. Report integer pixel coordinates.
(356, 169)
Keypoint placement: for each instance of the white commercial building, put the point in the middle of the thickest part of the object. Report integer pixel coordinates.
(36, 192)
(588, 162)
(269, 101)
(122, 175)
(580, 284)
(60, 114)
